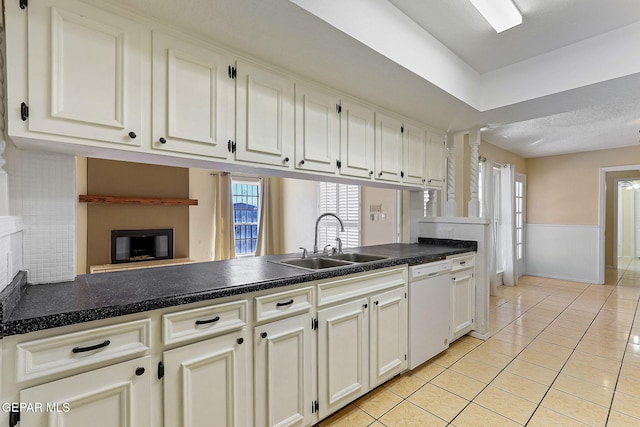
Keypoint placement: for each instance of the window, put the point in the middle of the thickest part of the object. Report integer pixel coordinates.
(519, 218)
(246, 202)
(344, 201)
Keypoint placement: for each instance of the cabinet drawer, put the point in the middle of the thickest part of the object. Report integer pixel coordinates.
(462, 262)
(62, 353)
(342, 288)
(203, 322)
(284, 304)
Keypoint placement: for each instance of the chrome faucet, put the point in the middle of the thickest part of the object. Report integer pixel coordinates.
(315, 242)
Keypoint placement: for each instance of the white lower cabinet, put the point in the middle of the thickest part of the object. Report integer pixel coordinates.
(462, 296)
(388, 347)
(362, 334)
(343, 354)
(114, 396)
(283, 363)
(207, 383)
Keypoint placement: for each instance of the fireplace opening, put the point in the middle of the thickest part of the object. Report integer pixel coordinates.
(141, 245)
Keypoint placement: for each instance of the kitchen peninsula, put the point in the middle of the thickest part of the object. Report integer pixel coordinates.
(268, 335)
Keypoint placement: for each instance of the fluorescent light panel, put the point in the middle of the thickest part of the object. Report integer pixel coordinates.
(501, 14)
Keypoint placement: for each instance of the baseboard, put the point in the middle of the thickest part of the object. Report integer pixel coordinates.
(480, 336)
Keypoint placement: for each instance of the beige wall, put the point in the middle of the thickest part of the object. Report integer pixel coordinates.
(380, 231)
(201, 216)
(626, 244)
(113, 178)
(299, 213)
(564, 189)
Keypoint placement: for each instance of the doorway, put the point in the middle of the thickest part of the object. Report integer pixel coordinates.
(628, 219)
(608, 216)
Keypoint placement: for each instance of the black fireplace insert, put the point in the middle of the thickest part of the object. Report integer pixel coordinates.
(141, 245)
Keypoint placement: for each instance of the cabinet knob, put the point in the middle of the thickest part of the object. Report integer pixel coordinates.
(132, 135)
(240, 340)
(286, 160)
(139, 371)
(301, 162)
(365, 306)
(401, 174)
(370, 173)
(376, 303)
(163, 141)
(263, 335)
(380, 174)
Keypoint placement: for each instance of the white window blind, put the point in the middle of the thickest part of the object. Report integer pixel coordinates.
(344, 201)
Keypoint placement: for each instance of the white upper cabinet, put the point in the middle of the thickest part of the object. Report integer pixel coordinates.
(317, 130)
(264, 116)
(436, 160)
(84, 72)
(357, 144)
(388, 148)
(414, 155)
(192, 98)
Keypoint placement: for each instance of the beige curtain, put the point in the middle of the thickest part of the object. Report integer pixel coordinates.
(223, 230)
(270, 223)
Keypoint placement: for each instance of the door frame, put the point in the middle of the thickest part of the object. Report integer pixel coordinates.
(602, 215)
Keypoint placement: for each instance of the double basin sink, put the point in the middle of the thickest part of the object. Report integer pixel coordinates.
(331, 261)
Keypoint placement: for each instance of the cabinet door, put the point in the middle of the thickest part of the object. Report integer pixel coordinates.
(357, 143)
(283, 373)
(115, 396)
(317, 130)
(264, 116)
(388, 148)
(414, 155)
(388, 335)
(462, 303)
(207, 383)
(192, 98)
(85, 72)
(343, 354)
(436, 155)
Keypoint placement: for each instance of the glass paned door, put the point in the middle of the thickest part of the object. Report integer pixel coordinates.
(520, 209)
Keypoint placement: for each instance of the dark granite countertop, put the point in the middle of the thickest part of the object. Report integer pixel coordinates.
(26, 308)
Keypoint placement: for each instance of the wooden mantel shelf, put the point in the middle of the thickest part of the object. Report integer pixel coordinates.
(165, 201)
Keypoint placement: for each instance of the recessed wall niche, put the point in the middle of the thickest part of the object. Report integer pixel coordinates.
(115, 178)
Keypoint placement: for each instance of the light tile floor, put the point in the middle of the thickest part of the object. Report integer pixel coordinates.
(561, 354)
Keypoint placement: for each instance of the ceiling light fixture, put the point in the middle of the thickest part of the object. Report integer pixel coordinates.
(501, 14)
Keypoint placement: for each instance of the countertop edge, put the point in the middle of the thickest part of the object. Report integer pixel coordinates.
(16, 326)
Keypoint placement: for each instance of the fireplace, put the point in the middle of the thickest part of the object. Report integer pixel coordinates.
(141, 245)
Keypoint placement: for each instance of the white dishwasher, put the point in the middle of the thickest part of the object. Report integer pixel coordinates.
(429, 312)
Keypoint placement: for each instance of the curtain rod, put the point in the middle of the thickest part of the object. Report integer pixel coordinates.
(483, 159)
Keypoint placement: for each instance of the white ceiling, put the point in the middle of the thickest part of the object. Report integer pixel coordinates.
(566, 80)
(547, 25)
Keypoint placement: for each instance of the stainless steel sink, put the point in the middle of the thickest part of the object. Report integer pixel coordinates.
(354, 257)
(315, 263)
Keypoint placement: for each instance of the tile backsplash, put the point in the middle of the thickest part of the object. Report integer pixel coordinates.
(42, 193)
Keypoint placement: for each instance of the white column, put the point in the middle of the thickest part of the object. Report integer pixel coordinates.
(4, 178)
(450, 207)
(474, 202)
